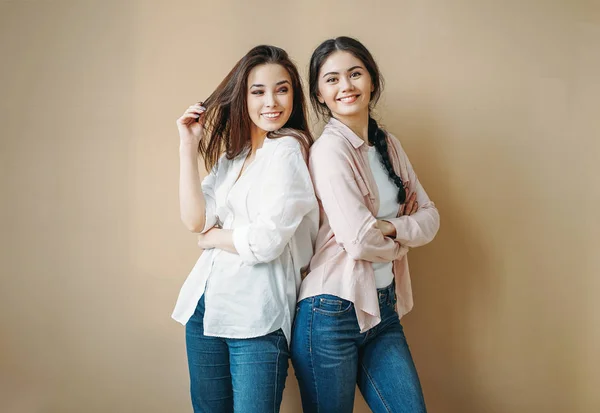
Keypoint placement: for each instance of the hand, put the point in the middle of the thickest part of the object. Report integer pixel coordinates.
(207, 240)
(410, 206)
(387, 228)
(190, 125)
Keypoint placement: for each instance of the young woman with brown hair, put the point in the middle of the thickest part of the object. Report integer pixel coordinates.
(257, 216)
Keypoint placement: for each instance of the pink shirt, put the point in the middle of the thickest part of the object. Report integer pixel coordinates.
(348, 241)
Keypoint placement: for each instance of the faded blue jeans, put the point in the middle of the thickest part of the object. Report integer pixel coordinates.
(235, 375)
(330, 356)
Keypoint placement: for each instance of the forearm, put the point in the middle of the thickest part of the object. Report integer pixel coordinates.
(191, 200)
(224, 240)
(373, 246)
(218, 238)
(418, 229)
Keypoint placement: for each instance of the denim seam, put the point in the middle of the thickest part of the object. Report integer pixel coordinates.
(276, 376)
(334, 313)
(375, 387)
(312, 362)
(331, 302)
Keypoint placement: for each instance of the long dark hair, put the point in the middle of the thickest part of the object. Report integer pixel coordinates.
(377, 136)
(226, 120)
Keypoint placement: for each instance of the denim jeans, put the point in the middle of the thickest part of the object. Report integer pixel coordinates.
(235, 375)
(330, 357)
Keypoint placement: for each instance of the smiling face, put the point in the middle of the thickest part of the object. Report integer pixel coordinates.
(345, 85)
(270, 98)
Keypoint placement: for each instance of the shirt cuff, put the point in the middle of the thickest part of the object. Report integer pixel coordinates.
(400, 226)
(210, 220)
(241, 242)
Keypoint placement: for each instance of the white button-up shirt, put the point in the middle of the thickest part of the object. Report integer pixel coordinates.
(274, 215)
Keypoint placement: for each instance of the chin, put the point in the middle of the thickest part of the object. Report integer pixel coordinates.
(350, 111)
(270, 127)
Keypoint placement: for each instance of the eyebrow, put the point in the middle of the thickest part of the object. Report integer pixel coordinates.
(349, 70)
(281, 82)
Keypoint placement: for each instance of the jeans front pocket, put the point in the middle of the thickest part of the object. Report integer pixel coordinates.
(331, 305)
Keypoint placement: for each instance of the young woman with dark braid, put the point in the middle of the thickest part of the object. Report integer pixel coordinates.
(373, 209)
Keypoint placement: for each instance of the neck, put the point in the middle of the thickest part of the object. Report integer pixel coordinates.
(257, 138)
(358, 123)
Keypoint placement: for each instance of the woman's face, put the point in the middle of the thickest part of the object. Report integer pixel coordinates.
(345, 85)
(270, 97)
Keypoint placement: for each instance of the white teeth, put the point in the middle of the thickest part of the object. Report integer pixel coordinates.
(271, 115)
(348, 99)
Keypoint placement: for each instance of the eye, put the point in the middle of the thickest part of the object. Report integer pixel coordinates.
(331, 80)
(257, 92)
(283, 90)
(355, 75)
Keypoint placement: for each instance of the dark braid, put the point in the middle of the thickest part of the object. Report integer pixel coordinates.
(377, 138)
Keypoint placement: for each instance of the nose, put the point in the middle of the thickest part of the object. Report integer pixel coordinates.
(271, 100)
(346, 84)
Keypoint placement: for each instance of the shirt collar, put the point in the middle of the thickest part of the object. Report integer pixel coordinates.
(345, 131)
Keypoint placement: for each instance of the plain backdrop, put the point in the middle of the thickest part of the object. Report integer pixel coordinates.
(497, 104)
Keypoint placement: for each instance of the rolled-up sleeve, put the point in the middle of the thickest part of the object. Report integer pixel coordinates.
(421, 227)
(351, 221)
(287, 195)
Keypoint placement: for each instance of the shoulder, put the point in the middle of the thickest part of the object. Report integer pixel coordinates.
(332, 155)
(285, 143)
(222, 164)
(393, 139)
(284, 152)
(330, 143)
(396, 144)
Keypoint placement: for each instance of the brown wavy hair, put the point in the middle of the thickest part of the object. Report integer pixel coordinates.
(226, 120)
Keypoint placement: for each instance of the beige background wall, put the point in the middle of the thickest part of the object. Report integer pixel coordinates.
(497, 104)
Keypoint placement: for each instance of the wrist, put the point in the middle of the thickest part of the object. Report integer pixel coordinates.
(186, 145)
(390, 229)
(214, 237)
(188, 151)
(393, 232)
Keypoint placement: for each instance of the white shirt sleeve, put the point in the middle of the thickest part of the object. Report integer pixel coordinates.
(287, 195)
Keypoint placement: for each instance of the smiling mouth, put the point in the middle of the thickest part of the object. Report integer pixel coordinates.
(348, 99)
(271, 115)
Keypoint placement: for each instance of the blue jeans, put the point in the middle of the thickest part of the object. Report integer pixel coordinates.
(235, 375)
(330, 356)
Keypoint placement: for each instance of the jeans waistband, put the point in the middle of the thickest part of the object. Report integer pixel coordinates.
(386, 294)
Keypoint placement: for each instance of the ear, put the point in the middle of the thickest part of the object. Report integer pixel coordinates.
(320, 99)
(372, 88)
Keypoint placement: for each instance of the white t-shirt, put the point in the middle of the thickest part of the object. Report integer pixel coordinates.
(388, 208)
(274, 215)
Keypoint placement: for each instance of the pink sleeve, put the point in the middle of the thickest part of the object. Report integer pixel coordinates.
(343, 202)
(421, 227)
